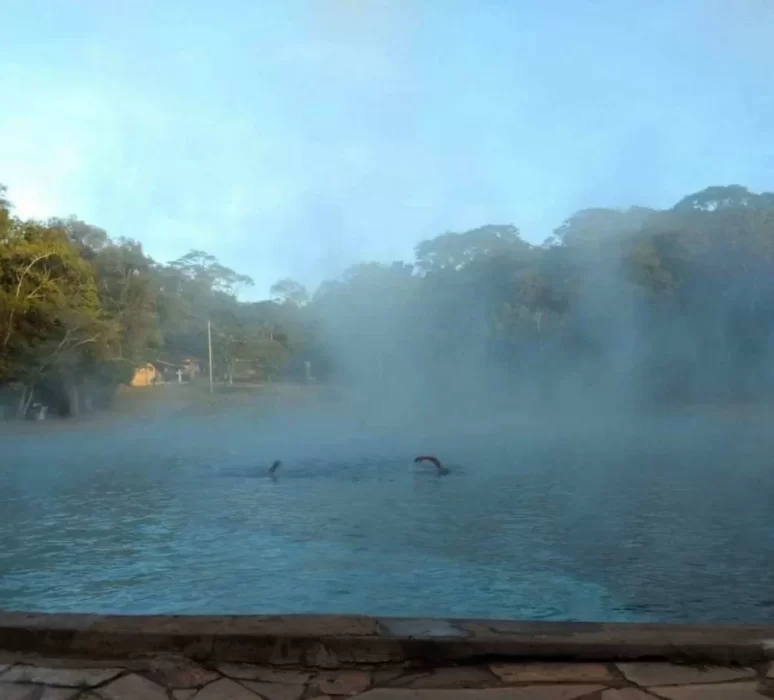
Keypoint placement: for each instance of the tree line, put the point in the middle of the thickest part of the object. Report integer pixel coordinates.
(641, 304)
(80, 312)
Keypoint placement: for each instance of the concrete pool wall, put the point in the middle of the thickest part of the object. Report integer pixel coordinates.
(334, 641)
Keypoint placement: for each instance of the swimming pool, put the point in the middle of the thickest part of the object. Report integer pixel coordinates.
(654, 521)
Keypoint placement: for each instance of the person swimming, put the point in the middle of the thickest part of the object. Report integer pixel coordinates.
(442, 471)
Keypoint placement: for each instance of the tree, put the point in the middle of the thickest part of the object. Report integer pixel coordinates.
(193, 290)
(715, 198)
(205, 270)
(88, 239)
(453, 251)
(129, 288)
(598, 228)
(49, 308)
(678, 303)
(288, 291)
(5, 211)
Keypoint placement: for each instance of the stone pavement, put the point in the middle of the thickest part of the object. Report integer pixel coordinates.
(167, 677)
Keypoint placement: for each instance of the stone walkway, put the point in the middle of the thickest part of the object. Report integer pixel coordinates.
(176, 678)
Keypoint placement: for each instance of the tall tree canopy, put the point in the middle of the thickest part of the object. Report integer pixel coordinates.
(677, 303)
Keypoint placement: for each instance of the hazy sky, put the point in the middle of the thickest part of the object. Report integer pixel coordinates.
(294, 137)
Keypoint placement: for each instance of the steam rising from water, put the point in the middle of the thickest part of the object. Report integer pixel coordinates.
(664, 519)
(570, 496)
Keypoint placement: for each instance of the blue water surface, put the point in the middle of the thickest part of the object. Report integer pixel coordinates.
(648, 521)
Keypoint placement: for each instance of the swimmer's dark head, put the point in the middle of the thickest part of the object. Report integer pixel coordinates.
(434, 460)
(275, 465)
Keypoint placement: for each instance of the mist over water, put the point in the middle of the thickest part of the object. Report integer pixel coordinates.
(599, 383)
(664, 518)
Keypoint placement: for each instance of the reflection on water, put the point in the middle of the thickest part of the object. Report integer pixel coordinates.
(668, 523)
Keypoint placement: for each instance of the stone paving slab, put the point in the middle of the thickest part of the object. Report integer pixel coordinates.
(658, 674)
(625, 694)
(272, 691)
(68, 677)
(546, 692)
(719, 691)
(181, 674)
(226, 689)
(27, 692)
(132, 687)
(349, 682)
(268, 674)
(186, 694)
(456, 677)
(181, 678)
(553, 672)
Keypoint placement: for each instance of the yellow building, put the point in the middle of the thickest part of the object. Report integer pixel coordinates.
(145, 375)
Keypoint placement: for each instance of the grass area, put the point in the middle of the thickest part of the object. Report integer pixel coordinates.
(178, 399)
(196, 397)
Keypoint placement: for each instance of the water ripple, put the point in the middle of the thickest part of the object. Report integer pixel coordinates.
(623, 528)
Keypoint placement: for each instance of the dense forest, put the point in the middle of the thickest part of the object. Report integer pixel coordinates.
(639, 304)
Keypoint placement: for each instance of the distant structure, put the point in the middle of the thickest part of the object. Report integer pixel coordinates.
(147, 375)
(183, 369)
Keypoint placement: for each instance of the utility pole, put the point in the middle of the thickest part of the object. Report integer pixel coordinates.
(209, 346)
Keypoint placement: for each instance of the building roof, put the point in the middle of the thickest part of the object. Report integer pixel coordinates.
(177, 362)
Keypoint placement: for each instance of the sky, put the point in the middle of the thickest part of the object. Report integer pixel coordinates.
(297, 137)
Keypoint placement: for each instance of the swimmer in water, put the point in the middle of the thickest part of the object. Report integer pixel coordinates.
(273, 468)
(442, 471)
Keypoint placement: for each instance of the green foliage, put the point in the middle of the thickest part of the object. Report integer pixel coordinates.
(5, 210)
(287, 291)
(690, 288)
(49, 306)
(453, 251)
(204, 271)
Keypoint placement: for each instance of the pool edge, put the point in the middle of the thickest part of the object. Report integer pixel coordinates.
(333, 641)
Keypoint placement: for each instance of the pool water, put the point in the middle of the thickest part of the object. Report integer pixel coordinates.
(652, 521)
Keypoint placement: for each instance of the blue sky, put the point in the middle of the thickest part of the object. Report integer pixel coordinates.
(295, 137)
